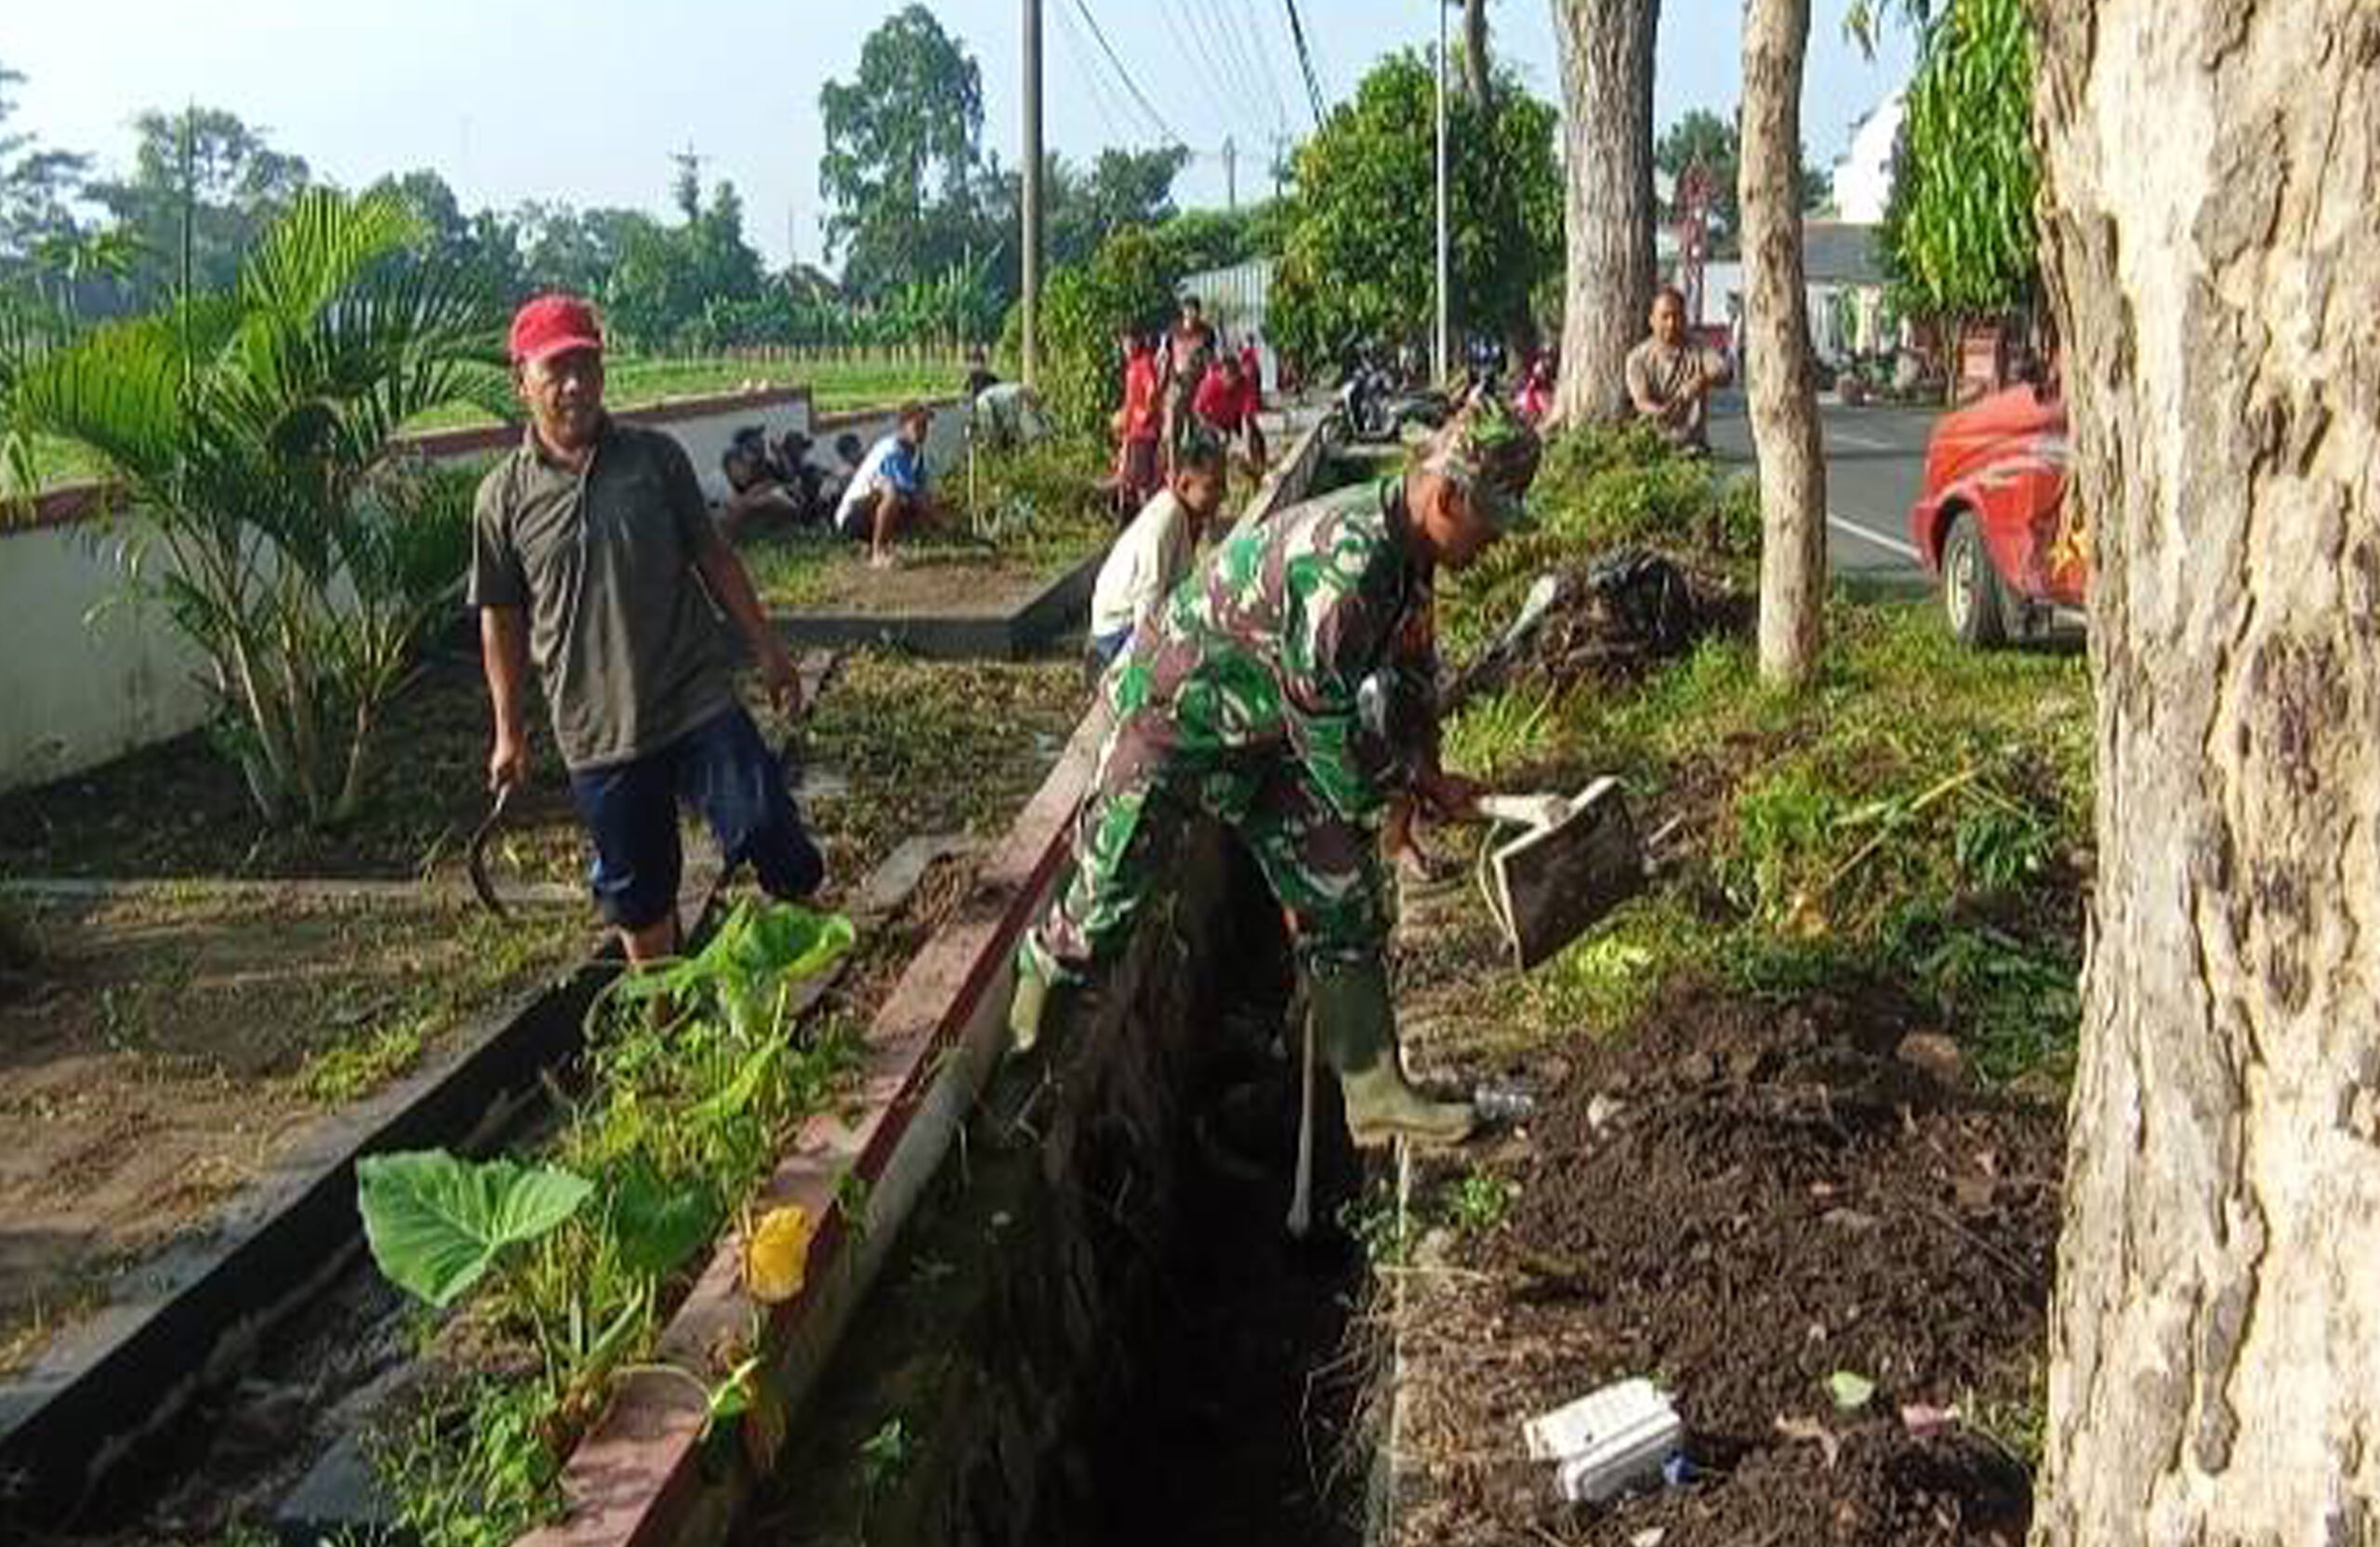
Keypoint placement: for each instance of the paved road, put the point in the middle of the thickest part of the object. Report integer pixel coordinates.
(1875, 462)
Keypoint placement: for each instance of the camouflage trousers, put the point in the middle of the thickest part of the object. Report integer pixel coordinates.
(1325, 869)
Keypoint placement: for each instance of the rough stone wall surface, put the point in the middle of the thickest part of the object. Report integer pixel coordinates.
(1050, 1251)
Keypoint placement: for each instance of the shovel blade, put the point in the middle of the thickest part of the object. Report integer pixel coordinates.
(1554, 882)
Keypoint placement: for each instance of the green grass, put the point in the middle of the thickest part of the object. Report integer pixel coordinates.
(834, 386)
(1037, 507)
(1917, 815)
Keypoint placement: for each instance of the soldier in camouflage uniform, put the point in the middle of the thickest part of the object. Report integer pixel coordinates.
(1274, 694)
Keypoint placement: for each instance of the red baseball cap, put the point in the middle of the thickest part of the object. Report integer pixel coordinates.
(554, 324)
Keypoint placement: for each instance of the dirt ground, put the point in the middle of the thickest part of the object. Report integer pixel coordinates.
(938, 580)
(181, 809)
(169, 1042)
(1740, 1199)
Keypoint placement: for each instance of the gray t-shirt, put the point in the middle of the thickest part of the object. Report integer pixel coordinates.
(1665, 377)
(630, 651)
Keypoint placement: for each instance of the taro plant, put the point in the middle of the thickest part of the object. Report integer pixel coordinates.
(437, 1224)
(677, 1121)
(251, 432)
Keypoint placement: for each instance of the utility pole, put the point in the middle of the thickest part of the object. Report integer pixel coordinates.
(1231, 175)
(1438, 355)
(1032, 189)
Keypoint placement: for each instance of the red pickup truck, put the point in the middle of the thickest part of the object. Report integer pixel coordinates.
(1994, 522)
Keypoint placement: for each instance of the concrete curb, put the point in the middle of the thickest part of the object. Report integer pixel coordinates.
(1290, 478)
(199, 1311)
(640, 1478)
(1056, 607)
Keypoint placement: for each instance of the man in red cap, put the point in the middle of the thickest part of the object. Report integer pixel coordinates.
(595, 556)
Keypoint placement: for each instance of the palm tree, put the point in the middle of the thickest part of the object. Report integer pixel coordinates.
(251, 434)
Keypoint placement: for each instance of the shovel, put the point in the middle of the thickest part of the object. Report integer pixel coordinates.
(1576, 859)
(1493, 662)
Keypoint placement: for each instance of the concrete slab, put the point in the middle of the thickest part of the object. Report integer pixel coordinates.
(1007, 634)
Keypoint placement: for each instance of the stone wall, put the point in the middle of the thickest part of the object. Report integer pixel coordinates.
(1006, 1324)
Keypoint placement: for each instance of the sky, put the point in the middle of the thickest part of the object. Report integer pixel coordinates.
(586, 100)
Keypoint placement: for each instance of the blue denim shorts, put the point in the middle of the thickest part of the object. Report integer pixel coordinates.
(724, 770)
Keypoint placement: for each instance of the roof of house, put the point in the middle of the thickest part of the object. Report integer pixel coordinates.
(1840, 252)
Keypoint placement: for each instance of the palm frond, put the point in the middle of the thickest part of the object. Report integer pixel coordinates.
(118, 391)
(319, 248)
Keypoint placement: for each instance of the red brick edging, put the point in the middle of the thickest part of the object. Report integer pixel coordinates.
(636, 1479)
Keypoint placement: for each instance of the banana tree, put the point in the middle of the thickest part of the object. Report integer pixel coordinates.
(251, 432)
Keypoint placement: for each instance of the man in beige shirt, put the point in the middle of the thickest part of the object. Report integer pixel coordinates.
(1156, 550)
(1670, 377)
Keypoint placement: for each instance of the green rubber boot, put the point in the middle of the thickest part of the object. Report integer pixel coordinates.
(1043, 997)
(1355, 1028)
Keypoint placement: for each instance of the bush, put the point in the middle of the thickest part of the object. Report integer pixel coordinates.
(1127, 286)
(1602, 489)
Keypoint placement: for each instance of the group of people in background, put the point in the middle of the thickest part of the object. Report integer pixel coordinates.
(1186, 382)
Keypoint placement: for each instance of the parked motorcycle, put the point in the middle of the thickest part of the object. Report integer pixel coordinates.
(1374, 406)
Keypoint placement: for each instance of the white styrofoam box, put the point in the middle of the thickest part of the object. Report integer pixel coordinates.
(1608, 1440)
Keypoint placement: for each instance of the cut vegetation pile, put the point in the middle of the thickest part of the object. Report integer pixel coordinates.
(1799, 1100)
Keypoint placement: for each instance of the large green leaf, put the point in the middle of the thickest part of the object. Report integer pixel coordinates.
(658, 1226)
(435, 1222)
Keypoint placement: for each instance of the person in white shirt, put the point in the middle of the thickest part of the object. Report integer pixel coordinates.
(888, 494)
(1156, 550)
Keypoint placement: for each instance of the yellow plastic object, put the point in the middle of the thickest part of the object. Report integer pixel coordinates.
(777, 1255)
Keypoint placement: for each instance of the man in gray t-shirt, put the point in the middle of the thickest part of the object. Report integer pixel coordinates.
(1670, 377)
(594, 556)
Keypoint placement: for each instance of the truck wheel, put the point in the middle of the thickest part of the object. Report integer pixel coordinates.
(1972, 594)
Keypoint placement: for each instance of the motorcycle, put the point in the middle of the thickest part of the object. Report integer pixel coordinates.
(1373, 407)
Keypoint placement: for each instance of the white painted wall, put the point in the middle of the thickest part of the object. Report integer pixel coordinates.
(84, 680)
(81, 682)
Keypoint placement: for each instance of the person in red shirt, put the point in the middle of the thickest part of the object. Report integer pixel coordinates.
(1137, 423)
(1228, 400)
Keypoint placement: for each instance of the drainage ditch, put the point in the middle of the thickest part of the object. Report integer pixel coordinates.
(1095, 1328)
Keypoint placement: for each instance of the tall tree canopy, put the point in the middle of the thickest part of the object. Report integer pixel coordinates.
(1358, 259)
(903, 172)
(1958, 237)
(1702, 136)
(482, 247)
(235, 183)
(37, 185)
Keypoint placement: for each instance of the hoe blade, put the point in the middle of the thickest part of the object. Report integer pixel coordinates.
(1549, 884)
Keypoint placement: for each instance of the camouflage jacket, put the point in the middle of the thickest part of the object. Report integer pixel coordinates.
(1261, 652)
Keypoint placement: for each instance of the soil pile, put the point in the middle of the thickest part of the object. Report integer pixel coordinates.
(1742, 1202)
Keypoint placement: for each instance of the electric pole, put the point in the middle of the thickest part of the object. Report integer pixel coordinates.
(1231, 175)
(1032, 189)
(1440, 341)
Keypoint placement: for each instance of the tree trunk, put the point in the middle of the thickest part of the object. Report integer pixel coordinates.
(2212, 202)
(1474, 52)
(1607, 123)
(1783, 400)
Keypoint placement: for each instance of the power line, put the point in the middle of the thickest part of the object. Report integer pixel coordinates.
(1263, 56)
(1235, 59)
(1240, 68)
(1125, 75)
(1305, 60)
(1088, 69)
(1216, 85)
